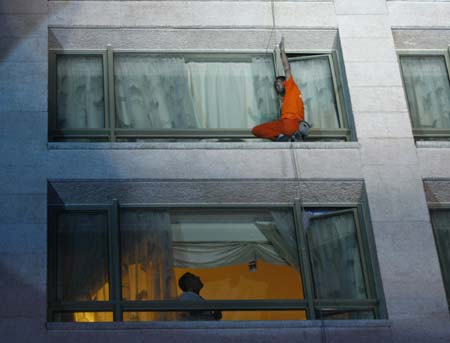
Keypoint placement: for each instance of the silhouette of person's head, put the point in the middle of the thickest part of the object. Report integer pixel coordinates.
(189, 282)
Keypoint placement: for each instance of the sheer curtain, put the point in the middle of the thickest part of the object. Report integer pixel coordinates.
(428, 90)
(171, 92)
(80, 100)
(147, 258)
(441, 226)
(335, 257)
(313, 77)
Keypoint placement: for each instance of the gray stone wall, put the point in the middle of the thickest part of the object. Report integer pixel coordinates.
(384, 158)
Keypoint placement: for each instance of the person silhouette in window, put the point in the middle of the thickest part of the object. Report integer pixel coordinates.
(292, 107)
(191, 286)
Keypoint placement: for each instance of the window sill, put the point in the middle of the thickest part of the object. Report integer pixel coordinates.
(202, 145)
(300, 324)
(433, 144)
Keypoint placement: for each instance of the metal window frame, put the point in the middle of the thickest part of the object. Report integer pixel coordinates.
(111, 133)
(437, 208)
(309, 303)
(421, 133)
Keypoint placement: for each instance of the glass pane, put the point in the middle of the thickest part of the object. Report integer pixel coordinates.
(209, 315)
(187, 92)
(226, 254)
(441, 226)
(83, 317)
(427, 90)
(314, 78)
(82, 255)
(335, 257)
(79, 85)
(344, 314)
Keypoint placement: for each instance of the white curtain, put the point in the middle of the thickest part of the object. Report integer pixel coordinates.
(80, 100)
(221, 254)
(428, 90)
(169, 92)
(313, 77)
(335, 257)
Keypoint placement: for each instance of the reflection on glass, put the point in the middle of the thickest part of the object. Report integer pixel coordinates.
(441, 226)
(82, 270)
(83, 317)
(236, 254)
(344, 314)
(335, 257)
(226, 315)
(79, 86)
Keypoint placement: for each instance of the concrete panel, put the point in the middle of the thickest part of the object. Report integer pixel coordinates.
(421, 39)
(23, 238)
(373, 74)
(23, 330)
(189, 39)
(318, 163)
(395, 193)
(378, 99)
(364, 26)
(368, 50)
(191, 14)
(437, 191)
(360, 7)
(28, 49)
(22, 301)
(388, 152)
(23, 87)
(24, 270)
(409, 266)
(22, 25)
(23, 209)
(423, 14)
(383, 125)
(23, 6)
(434, 162)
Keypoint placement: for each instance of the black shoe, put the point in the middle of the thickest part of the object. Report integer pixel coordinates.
(282, 138)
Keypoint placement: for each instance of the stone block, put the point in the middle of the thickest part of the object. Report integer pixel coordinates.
(419, 14)
(388, 152)
(318, 163)
(24, 270)
(21, 26)
(23, 238)
(395, 192)
(23, 7)
(364, 26)
(23, 86)
(428, 38)
(360, 7)
(23, 208)
(23, 301)
(27, 49)
(373, 74)
(434, 162)
(378, 99)
(383, 125)
(368, 50)
(305, 14)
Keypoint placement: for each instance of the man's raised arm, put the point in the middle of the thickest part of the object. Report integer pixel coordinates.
(284, 59)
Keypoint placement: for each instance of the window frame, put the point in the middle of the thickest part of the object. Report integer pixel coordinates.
(435, 207)
(309, 304)
(420, 133)
(112, 134)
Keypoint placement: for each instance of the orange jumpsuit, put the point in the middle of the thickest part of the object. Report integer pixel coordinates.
(292, 112)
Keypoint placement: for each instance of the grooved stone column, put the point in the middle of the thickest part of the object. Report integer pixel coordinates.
(406, 250)
(23, 144)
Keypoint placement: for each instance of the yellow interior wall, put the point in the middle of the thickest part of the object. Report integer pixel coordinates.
(269, 281)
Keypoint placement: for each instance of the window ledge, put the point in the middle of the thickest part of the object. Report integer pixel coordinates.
(220, 325)
(201, 145)
(435, 144)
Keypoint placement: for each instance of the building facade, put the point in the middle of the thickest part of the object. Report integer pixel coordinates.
(77, 157)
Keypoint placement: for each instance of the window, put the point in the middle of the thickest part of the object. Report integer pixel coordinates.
(440, 220)
(283, 263)
(427, 85)
(140, 96)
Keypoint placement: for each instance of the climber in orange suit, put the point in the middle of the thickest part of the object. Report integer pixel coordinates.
(292, 108)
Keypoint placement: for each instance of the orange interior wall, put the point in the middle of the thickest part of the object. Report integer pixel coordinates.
(269, 281)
